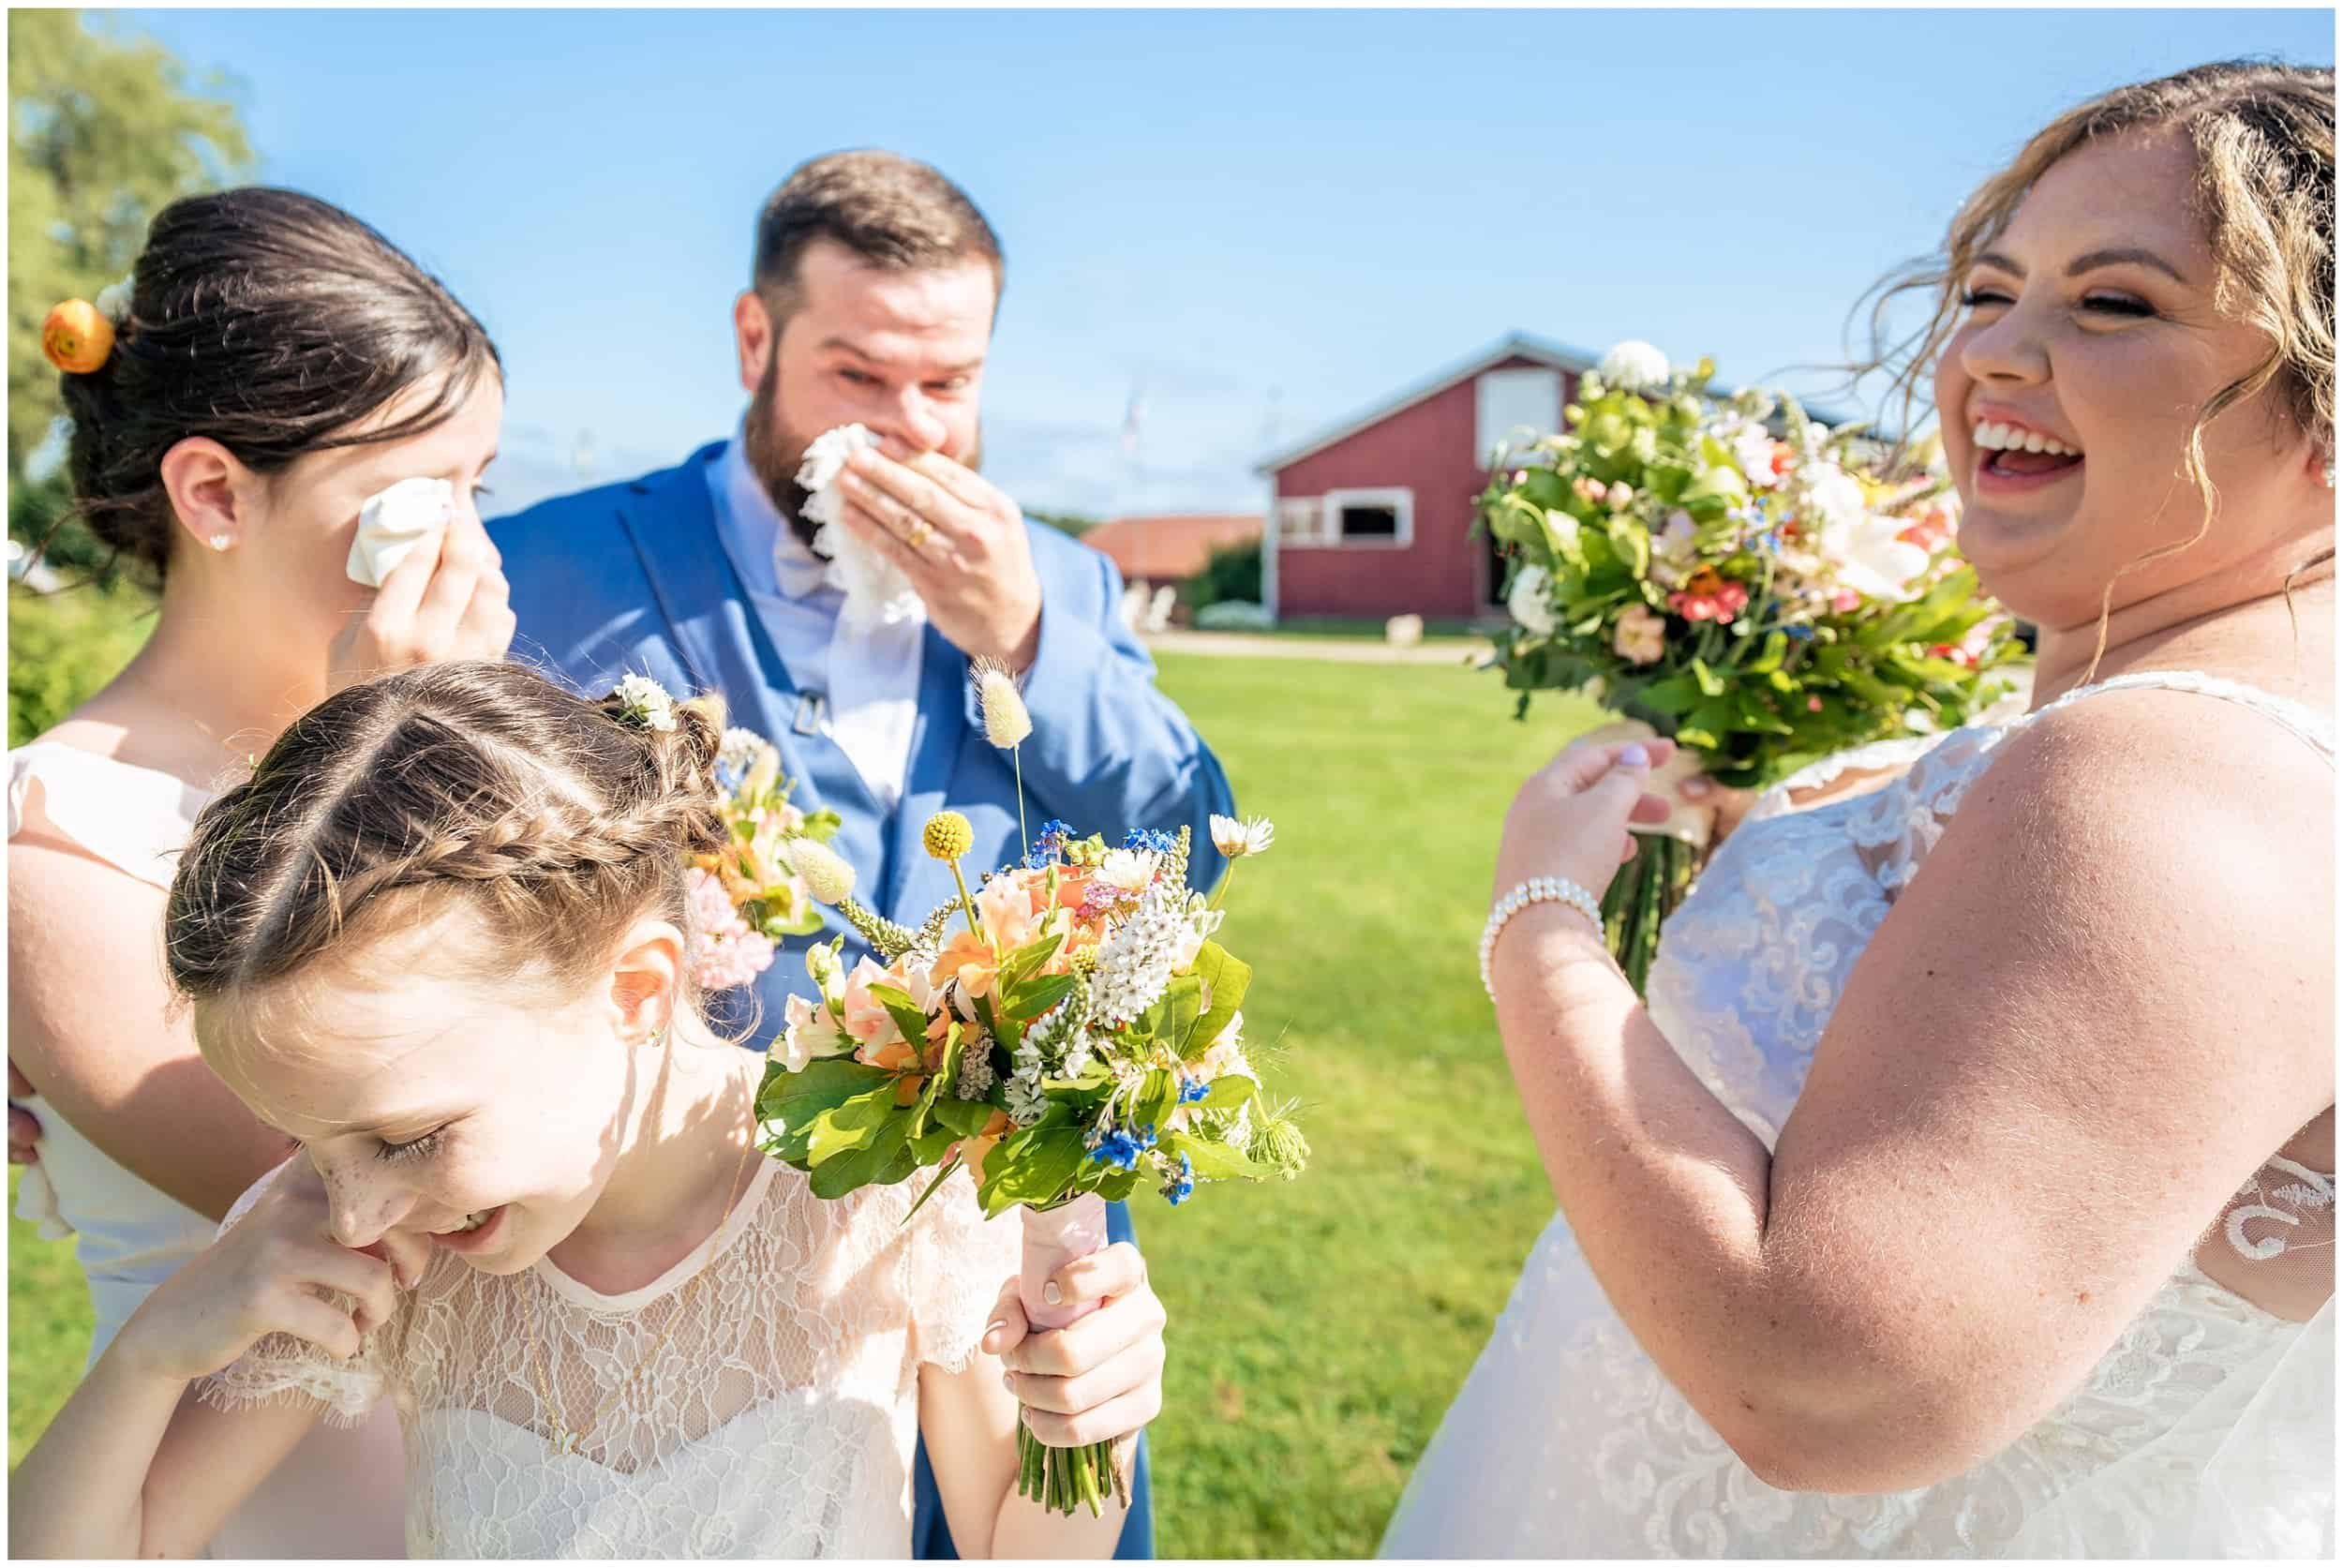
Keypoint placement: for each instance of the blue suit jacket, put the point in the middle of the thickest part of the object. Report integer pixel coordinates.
(632, 578)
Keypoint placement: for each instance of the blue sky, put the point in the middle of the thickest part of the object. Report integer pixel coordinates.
(1260, 221)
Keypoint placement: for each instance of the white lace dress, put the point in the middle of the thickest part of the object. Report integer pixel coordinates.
(776, 1417)
(2208, 1429)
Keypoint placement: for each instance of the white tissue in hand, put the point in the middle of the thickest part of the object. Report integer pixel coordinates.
(876, 588)
(393, 522)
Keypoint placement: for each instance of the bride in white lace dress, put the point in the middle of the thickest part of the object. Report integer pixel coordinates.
(1967, 1187)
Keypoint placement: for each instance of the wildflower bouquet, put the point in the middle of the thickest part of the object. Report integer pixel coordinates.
(763, 886)
(1066, 1031)
(1765, 600)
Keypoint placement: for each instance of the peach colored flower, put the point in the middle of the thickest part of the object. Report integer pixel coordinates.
(966, 958)
(1640, 637)
(867, 1018)
(1008, 913)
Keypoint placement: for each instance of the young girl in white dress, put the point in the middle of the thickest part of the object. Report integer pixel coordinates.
(276, 363)
(1967, 1187)
(440, 939)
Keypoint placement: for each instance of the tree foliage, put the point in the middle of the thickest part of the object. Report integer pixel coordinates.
(105, 130)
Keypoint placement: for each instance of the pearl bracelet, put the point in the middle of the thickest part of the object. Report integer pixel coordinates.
(1538, 890)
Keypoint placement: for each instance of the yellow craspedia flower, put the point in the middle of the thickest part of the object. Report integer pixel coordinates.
(947, 836)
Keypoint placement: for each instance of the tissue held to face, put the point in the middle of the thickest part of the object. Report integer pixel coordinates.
(301, 532)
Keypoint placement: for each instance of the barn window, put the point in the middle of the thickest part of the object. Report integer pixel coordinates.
(1514, 406)
(1300, 520)
(1379, 517)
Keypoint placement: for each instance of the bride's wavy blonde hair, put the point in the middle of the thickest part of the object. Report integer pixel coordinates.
(2264, 139)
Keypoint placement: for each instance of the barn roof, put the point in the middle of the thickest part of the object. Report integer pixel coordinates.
(1519, 345)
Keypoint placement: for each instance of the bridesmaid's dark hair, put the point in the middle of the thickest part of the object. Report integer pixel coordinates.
(271, 323)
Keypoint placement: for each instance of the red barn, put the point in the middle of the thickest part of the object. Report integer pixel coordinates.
(1372, 518)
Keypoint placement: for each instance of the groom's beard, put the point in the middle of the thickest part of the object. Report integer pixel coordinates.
(775, 449)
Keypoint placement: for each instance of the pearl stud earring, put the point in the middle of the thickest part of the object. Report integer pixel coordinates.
(221, 542)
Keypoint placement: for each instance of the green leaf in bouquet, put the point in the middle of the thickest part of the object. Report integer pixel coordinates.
(1674, 695)
(1229, 1091)
(805, 921)
(1707, 725)
(1608, 431)
(929, 1147)
(1752, 716)
(1212, 1159)
(1157, 1099)
(855, 1124)
(1029, 999)
(887, 1159)
(932, 1188)
(821, 826)
(1034, 1166)
(1117, 1186)
(794, 1100)
(1226, 978)
(966, 1117)
(1666, 479)
(1769, 656)
(910, 1020)
(1711, 683)
(1870, 688)
(1542, 488)
(1026, 962)
(1630, 542)
(1169, 1020)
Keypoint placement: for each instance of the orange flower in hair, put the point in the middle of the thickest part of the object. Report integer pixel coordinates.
(77, 337)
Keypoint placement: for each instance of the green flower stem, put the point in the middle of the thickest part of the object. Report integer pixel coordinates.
(1227, 877)
(969, 905)
(1024, 840)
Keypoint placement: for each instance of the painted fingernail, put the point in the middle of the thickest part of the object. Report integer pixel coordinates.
(1050, 1294)
(998, 1325)
(1632, 755)
(850, 481)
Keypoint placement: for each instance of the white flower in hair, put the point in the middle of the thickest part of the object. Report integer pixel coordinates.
(646, 702)
(113, 299)
(877, 592)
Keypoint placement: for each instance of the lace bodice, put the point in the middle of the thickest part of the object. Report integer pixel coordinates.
(2207, 1429)
(775, 1419)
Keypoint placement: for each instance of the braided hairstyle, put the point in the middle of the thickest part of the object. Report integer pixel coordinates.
(559, 820)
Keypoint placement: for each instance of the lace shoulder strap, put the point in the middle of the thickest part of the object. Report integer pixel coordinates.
(2314, 730)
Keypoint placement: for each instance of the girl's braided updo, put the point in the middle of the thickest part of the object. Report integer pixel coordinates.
(559, 822)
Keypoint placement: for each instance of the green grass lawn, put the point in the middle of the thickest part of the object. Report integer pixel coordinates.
(1318, 1327)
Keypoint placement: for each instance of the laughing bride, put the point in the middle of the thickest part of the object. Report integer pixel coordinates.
(1967, 1188)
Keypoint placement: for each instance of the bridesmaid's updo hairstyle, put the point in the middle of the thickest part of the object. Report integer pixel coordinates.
(557, 821)
(272, 322)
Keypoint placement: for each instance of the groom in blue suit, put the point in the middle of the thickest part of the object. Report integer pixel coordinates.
(875, 285)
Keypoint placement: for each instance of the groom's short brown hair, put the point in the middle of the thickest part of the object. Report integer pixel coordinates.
(888, 210)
